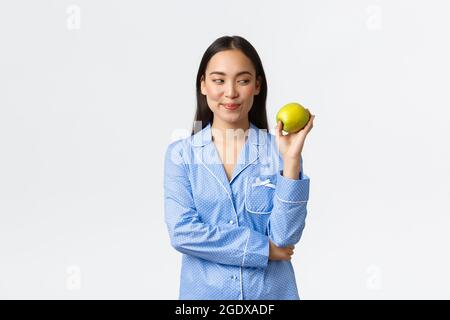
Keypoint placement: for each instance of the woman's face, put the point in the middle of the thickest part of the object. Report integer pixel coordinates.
(230, 80)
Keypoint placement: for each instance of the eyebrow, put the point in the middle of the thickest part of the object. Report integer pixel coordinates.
(224, 74)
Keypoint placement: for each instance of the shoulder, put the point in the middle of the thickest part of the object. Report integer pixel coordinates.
(178, 150)
(267, 140)
(270, 146)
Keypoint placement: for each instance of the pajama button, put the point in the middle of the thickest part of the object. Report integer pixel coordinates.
(231, 222)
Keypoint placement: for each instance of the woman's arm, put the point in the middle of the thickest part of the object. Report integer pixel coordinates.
(225, 244)
(292, 169)
(287, 220)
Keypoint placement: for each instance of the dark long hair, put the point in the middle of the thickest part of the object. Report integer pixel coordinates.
(257, 114)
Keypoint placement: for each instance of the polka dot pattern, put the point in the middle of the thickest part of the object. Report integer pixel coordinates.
(222, 228)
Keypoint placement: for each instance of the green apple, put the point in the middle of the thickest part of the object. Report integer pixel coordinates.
(294, 117)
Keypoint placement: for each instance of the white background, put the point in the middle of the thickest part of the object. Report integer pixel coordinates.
(92, 92)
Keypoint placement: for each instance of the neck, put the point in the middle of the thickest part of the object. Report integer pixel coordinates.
(224, 131)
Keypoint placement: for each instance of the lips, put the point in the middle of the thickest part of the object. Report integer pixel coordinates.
(231, 106)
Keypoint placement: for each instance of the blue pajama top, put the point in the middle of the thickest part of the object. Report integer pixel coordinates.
(222, 227)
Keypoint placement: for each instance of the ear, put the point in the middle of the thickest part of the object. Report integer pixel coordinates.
(258, 85)
(202, 85)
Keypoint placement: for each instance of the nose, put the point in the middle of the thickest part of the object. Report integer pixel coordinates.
(230, 91)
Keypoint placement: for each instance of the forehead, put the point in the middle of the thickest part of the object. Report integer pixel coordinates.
(230, 62)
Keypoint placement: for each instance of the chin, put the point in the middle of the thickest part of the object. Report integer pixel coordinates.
(230, 120)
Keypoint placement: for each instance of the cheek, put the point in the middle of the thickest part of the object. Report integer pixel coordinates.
(248, 91)
(214, 93)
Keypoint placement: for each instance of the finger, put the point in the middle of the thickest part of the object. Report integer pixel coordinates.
(287, 257)
(279, 129)
(310, 123)
(311, 116)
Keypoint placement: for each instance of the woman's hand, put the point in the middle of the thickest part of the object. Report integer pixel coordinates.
(290, 146)
(278, 253)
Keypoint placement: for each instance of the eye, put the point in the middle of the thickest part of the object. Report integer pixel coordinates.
(220, 81)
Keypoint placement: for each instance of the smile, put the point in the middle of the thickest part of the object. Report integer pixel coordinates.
(231, 106)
